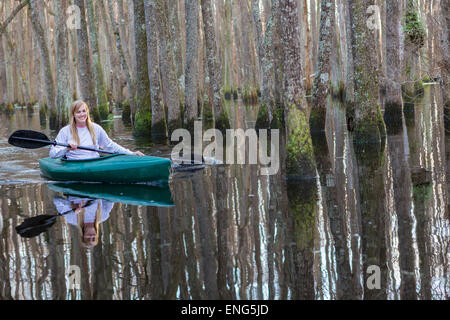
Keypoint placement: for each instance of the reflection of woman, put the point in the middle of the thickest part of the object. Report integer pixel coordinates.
(86, 218)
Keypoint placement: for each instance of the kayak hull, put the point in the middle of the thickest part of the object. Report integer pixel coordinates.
(134, 194)
(109, 169)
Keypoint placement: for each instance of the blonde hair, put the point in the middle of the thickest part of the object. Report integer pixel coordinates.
(80, 225)
(73, 125)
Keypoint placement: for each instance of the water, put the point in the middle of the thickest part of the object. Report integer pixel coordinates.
(234, 234)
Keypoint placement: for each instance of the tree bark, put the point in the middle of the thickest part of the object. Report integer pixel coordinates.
(322, 79)
(394, 102)
(131, 86)
(369, 124)
(42, 40)
(102, 100)
(221, 118)
(3, 82)
(64, 95)
(143, 117)
(349, 64)
(168, 68)
(85, 73)
(300, 158)
(12, 15)
(159, 125)
(308, 46)
(191, 73)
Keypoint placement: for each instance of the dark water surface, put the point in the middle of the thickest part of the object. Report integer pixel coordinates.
(370, 226)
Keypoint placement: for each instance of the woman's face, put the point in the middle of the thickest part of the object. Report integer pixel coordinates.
(90, 234)
(81, 115)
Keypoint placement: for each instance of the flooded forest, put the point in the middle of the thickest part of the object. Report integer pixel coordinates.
(354, 94)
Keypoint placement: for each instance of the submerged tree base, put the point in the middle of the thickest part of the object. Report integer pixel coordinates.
(300, 158)
(263, 119)
(173, 125)
(142, 123)
(302, 197)
(159, 130)
(317, 119)
(222, 123)
(278, 118)
(53, 120)
(370, 131)
(393, 115)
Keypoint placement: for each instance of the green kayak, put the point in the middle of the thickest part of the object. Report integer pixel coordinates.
(135, 194)
(117, 168)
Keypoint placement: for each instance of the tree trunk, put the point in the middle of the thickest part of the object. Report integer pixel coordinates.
(159, 126)
(300, 158)
(64, 95)
(102, 100)
(41, 37)
(308, 46)
(131, 87)
(143, 117)
(221, 118)
(322, 79)
(266, 63)
(3, 83)
(191, 73)
(168, 68)
(246, 62)
(85, 73)
(445, 55)
(349, 64)
(369, 125)
(394, 102)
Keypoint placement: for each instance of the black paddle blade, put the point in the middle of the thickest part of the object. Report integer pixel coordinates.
(29, 139)
(34, 226)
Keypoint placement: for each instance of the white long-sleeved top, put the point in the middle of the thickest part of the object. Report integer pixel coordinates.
(63, 205)
(103, 141)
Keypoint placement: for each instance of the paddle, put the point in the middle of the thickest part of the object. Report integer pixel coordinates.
(30, 139)
(34, 226)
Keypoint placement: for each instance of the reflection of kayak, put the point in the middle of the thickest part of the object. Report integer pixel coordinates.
(135, 194)
(110, 169)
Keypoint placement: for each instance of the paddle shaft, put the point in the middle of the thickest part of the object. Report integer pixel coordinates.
(62, 144)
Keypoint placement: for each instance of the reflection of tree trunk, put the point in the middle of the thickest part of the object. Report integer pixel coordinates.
(431, 199)
(300, 228)
(223, 225)
(103, 282)
(402, 194)
(189, 229)
(5, 286)
(331, 184)
(208, 263)
(372, 198)
(154, 254)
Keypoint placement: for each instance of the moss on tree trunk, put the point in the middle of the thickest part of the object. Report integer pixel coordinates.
(300, 157)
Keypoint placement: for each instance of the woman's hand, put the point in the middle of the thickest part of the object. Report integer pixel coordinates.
(138, 153)
(76, 207)
(72, 147)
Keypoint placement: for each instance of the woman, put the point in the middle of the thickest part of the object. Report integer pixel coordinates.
(81, 131)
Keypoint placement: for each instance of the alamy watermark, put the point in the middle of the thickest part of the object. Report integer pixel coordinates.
(374, 280)
(374, 22)
(73, 277)
(73, 21)
(236, 147)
